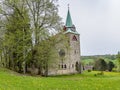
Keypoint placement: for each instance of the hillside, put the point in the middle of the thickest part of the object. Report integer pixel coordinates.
(10, 80)
(107, 56)
(91, 59)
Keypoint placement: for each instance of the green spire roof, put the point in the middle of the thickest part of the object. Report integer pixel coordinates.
(70, 31)
(69, 20)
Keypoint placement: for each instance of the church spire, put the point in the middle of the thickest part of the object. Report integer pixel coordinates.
(69, 26)
(68, 19)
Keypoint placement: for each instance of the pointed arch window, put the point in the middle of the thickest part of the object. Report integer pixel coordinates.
(74, 38)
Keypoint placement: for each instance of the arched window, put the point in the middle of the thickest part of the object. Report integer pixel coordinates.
(75, 51)
(62, 66)
(72, 65)
(65, 66)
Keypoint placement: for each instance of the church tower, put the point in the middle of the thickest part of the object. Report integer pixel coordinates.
(74, 42)
(68, 58)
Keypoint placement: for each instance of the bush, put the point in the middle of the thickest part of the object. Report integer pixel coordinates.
(100, 73)
(89, 70)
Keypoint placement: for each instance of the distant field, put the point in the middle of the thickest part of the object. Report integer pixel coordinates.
(86, 81)
(88, 61)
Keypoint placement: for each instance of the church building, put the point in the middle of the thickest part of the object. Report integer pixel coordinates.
(68, 61)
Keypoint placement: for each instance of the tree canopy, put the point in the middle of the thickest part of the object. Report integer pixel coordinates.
(26, 29)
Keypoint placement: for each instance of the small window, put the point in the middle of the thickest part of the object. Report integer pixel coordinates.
(65, 66)
(72, 65)
(75, 51)
(74, 38)
(62, 66)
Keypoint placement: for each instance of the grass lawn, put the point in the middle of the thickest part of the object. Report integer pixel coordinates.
(86, 81)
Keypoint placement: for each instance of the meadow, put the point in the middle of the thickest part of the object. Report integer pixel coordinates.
(10, 80)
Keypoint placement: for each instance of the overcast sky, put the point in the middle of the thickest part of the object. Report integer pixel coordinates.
(97, 21)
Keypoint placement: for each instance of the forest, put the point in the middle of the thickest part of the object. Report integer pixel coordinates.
(102, 62)
(27, 28)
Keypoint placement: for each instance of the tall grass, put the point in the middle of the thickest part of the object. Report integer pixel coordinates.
(85, 81)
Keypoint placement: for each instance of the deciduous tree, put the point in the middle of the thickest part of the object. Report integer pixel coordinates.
(118, 61)
(110, 65)
(100, 64)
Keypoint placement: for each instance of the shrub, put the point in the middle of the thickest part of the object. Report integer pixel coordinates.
(89, 70)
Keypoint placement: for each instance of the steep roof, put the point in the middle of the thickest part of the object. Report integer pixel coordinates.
(69, 20)
(70, 31)
(70, 28)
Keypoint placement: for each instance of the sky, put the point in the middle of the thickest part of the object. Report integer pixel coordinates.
(97, 21)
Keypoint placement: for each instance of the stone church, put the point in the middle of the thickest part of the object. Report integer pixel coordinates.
(68, 61)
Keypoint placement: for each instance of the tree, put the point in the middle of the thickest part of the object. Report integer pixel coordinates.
(45, 23)
(78, 67)
(118, 61)
(110, 65)
(100, 65)
(29, 26)
(17, 37)
(44, 18)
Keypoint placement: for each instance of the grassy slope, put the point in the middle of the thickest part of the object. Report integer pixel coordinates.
(85, 81)
(87, 61)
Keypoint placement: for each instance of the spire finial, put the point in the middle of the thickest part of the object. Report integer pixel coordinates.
(68, 6)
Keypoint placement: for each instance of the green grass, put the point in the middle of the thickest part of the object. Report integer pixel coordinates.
(86, 81)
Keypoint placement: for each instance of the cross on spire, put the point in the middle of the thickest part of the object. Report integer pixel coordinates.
(68, 6)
